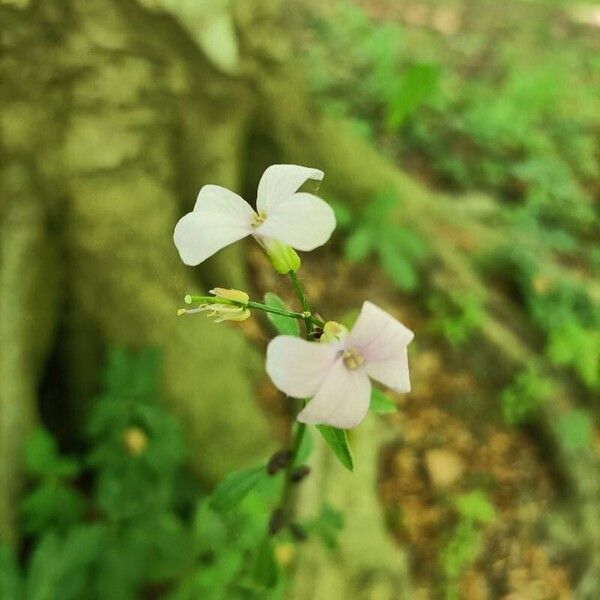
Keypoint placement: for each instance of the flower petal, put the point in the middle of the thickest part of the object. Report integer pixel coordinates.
(382, 340)
(377, 335)
(280, 182)
(298, 367)
(393, 373)
(302, 221)
(343, 399)
(220, 217)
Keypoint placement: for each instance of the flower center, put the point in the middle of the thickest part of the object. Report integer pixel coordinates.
(258, 219)
(352, 358)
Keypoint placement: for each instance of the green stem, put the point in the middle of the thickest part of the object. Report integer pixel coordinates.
(287, 485)
(299, 289)
(285, 503)
(275, 311)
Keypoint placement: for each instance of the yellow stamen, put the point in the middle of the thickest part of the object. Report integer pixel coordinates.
(258, 219)
(352, 359)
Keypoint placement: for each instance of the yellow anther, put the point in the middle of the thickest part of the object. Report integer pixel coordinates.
(332, 331)
(258, 219)
(352, 359)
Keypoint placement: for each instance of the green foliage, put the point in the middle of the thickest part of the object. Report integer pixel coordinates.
(456, 315)
(127, 520)
(579, 347)
(368, 80)
(283, 325)
(381, 404)
(53, 503)
(461, 550)
(465, 543)
(414, 87)
(475, 506)
(564, 308)
(327, 525)
(61, 564)
(576, 430)
(137, 448)
(336, 439)
(235, 487)
(234, 560)
(398, 249)
(525, 394)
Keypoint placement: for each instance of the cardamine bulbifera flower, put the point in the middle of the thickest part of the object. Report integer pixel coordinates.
(285, 219)
(336, 374)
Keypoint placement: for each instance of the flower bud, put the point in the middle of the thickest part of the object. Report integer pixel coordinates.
(333, 331)
(299, 473)
(283, 257)
(298, 532)
(278, 461)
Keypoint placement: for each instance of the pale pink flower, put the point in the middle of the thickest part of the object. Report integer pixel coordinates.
(285, 216)
(336, 375)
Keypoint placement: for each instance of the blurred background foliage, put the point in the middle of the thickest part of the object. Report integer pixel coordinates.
(460, 145)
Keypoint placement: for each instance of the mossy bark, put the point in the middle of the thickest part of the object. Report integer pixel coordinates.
(112, 119)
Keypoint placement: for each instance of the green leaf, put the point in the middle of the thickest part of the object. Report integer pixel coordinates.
(52, 504)
(41, 452)
(283, 325)
(476, 507)
(265, 571)
(305, 448)
(60, 566)
(235, 487)
(399, 270)
(381, 404)
(415, 87)
(358, 245)
(336, 439)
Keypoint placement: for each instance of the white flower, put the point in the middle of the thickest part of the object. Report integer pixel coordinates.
(285, 216)
(336, 374)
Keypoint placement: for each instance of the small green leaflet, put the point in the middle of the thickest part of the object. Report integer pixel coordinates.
(283, 325)
(336, 439)
(381, 404)
(235, 487)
